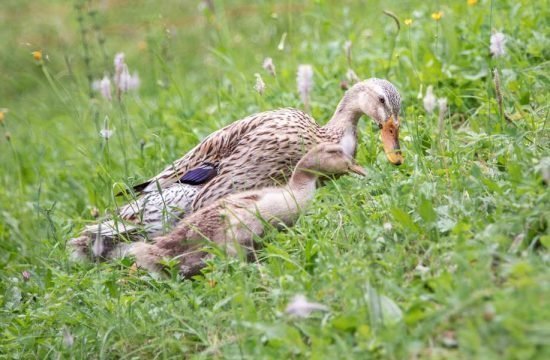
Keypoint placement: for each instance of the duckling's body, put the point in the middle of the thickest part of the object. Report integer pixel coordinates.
(237, 219)
(258, 151)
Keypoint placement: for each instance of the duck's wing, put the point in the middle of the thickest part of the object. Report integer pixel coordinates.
(200, 164)
(262, 158)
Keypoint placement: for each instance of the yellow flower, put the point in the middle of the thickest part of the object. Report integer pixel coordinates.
(437, 15)
(1, 116)
(408, 22)
(472, 2)
(37, 55)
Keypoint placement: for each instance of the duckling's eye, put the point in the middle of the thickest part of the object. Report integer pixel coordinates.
(382, 100)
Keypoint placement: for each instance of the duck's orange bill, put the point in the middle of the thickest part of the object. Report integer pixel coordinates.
(390, 141)
(354, 168)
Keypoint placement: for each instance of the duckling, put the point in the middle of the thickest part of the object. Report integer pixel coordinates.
(235, 220)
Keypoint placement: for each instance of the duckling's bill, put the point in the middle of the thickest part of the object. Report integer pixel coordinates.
(390, 141)
(356, 169)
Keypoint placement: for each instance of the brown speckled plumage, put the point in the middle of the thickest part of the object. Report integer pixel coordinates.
(257, 151)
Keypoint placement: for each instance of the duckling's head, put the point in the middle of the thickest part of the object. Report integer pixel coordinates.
(380, 100)
(329, 159)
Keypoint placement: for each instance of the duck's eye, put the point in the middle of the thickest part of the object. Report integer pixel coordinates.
(382, 100)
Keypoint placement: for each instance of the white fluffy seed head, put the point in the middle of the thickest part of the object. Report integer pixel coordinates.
(119, 62)
(105, 88)
(442, 102)
(301, 307)
(304, 80)
(429, 100)
(260, 85)
(269, 66)
(498, 44)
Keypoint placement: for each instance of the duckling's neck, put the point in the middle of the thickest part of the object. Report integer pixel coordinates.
(302, 183)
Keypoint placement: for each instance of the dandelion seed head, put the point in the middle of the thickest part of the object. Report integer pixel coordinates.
(498, 44)
(429, 100)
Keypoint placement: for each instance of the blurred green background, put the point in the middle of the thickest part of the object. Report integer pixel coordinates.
(443, 257)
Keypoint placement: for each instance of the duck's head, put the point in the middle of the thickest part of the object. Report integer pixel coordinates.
(329, 159)
(380, 100)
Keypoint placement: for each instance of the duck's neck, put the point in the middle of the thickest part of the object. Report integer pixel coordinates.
(343, 124)
(347, 112)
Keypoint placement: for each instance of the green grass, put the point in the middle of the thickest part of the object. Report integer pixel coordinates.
(470, 205)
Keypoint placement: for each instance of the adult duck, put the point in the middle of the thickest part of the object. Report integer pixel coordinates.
(258, 151)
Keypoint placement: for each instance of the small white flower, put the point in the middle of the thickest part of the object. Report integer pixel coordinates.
(407, 138)
(352, 77)
(304, 81)
(106, 133)
(429, 100)
(269, 66)
(498, 42)
(105, 88)
(421, 269)
(300, 307)
(260, 85)
(388, 226)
